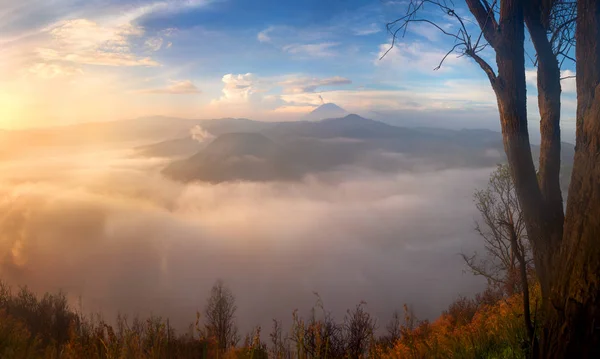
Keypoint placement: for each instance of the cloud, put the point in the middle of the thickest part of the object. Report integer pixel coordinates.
(323, 49)
(373, 28)
(53, 70)
(86, 42)
(249, 95)
(416, 56)
(568, 84)
(239, 88)
(201, 135)
(183, 87)
(154, 43)
(107, 227)
(163, 7)
(440, 96)
(306, 84)
(263, 36)
(293, 109)
(429, 31)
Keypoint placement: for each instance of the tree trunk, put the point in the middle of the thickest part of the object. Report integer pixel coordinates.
(573, 330)
(510, 89)
(549, 90)
(546, 248)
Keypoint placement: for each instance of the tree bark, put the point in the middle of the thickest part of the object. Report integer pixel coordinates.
(549, 90)
(510, 89)
(574, 327)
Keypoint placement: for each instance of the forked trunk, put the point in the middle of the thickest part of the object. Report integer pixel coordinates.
(510, 89)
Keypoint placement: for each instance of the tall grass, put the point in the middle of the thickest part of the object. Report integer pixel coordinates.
(487, 326)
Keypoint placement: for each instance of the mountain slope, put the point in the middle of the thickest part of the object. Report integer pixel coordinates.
(291, 150)
(231, 157)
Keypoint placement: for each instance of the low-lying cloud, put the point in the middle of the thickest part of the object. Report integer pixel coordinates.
(109, 228)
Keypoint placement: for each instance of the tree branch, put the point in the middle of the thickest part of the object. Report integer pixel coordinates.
(486, 20)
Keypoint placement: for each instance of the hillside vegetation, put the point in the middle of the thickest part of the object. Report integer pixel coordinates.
(487, 326)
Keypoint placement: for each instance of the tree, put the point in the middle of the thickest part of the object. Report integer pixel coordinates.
(573, 330)
(571, 295)
(393, 330)
(503, 231)
(279, 348)
(359, 328)
(508, 259)
(220, 317)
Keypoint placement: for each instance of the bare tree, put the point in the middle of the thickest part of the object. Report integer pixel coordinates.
(393, 330)
(565, 247)
(359, 328)
(279, 349)
(220, 317)
(319, 336)
(508, 254)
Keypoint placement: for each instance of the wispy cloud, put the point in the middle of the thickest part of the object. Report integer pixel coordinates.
(371, 29)
(263, 36)
(307, 84)
(184, 87)
(154, 43)
(164, 7)
(53, 70)
(87, 42)
(415, 56)
(323, 49)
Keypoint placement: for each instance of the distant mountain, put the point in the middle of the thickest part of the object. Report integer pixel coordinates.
(327, 110)
(185, 145)
(231, 157)
(291, 150)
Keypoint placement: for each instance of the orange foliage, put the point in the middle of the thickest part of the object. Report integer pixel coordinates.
(469, 329)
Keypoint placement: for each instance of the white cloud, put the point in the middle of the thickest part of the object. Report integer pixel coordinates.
(250, 95)
(238, 88)
(293, 109)
(86, 42)
(263, 36)
(568, 84)
(154, 43)
(242, 95)
(448, 95)
(323, 49)
(201, 135)
(306, 84)
(415, 56)
(168, 32)
(373, 28)
(531, 76)
(169, 6)
(53, 70)
(183, 87)
(429, 31)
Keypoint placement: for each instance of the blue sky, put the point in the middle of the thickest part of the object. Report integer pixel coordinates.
(68, 61)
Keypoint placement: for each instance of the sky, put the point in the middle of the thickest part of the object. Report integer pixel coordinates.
(69, 61)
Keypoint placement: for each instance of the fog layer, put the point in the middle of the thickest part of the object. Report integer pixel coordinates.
(108, 228)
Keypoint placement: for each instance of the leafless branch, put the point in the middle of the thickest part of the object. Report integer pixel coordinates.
(462, 39)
